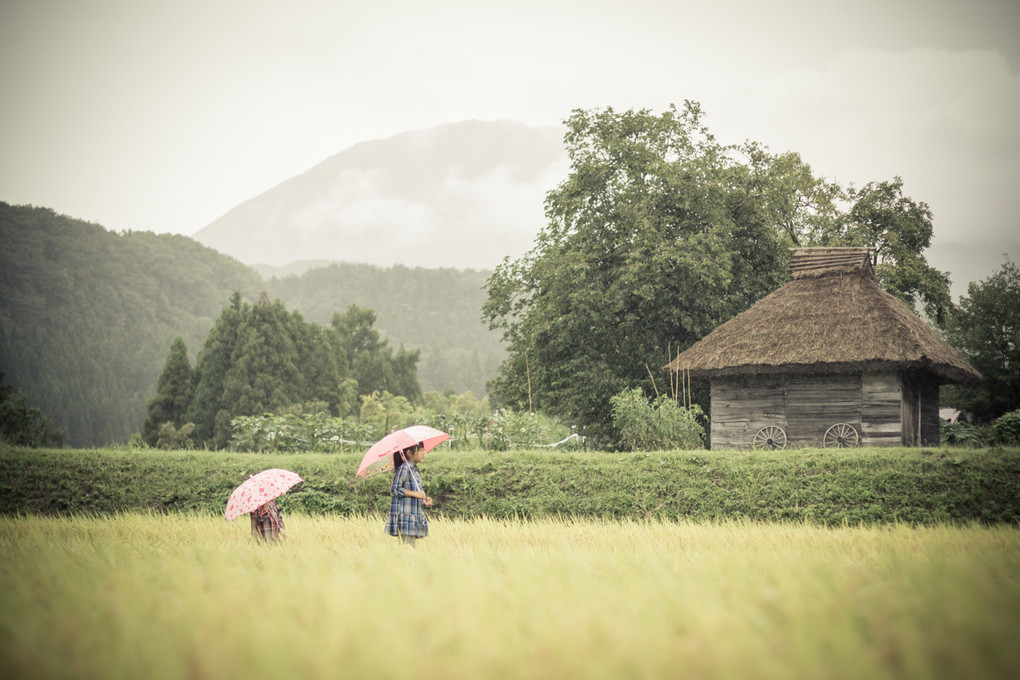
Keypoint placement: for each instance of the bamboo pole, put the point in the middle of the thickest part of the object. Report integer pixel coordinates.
(687, 369)
(527, 367)
(653, 380)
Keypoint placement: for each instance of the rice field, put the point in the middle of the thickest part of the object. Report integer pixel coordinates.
(191, 596)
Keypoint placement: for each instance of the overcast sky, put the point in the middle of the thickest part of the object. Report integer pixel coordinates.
(163, 115)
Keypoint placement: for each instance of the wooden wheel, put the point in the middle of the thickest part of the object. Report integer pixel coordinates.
(769, 437)
(840, 436)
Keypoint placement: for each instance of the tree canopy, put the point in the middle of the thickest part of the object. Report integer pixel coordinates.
(261, 359)
(985, 327)
(658, 234)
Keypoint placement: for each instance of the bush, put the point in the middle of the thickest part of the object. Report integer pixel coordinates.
(959, 435)
(656, 425)
(291, 432)
(21, 425)
(1005, 431)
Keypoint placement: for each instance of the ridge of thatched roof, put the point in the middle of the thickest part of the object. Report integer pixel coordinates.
(811, 262)
(831, 317)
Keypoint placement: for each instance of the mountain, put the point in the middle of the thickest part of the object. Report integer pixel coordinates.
(462, 195)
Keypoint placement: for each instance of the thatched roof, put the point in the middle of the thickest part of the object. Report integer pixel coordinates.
(831, 317)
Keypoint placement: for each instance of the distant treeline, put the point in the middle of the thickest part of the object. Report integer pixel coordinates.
(88, 316)
(263, 359)
(437, 311)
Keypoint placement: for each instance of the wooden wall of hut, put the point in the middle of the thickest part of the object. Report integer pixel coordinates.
(805, 406)
(920, 409)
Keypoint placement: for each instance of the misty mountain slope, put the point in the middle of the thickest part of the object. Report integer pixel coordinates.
(87, 316)
(462, 195)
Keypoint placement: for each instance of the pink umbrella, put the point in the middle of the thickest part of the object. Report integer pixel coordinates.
(259, 489)
(383, 450)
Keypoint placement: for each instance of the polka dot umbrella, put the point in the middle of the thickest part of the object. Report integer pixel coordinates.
(259, 489)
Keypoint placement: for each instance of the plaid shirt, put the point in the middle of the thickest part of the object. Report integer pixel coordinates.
(267, 524)
(407, 514)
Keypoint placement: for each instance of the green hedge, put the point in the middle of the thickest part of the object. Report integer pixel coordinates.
(824, 486)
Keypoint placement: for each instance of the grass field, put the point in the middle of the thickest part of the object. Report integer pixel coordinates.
(190, 596)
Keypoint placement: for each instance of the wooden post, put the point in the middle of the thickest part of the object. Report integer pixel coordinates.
(653, 380)
(527, 368)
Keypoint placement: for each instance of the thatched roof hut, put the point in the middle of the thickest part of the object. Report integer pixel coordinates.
(831, 319)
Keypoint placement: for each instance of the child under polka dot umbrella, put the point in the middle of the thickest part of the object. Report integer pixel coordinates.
(258, 490)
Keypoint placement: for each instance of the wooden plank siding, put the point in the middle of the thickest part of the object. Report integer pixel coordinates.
(742, 406)
(929, 412)
(805, 406)
(815, 403)
(881, 419)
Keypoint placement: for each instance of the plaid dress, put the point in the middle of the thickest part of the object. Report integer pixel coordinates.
(267, 524)
(407, 514)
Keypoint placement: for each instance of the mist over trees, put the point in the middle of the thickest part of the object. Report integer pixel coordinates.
(434, 311)
(88, 317)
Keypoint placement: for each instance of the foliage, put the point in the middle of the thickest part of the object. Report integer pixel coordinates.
(21, 425)
(261, 359)
(469, 422)
(386, 412)
(658, 424)
(897, 229)
(830, 487)
(370, 358)
(959, 435)
(1005, 431)
(985, 328)
(289, 432)
(170, 437)
(88, 315)
(175, 390)
(658, 235)
(431, 311)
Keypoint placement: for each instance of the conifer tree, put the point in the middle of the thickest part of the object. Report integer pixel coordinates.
(370, 359)
(263, 376)
(174, 392)
(211, 369)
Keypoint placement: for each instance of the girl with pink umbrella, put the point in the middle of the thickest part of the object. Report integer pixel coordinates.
(407, 497)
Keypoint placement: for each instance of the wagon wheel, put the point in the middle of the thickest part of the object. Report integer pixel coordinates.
(769, 437)
(840, 436)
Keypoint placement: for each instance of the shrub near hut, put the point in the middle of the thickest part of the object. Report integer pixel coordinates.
(659, 424)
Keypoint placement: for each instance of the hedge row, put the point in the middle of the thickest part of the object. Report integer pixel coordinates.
(823, 486)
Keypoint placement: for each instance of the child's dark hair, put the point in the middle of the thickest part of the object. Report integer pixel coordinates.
(400, 457)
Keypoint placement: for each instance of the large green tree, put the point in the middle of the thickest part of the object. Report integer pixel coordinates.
(658, 234)
(898, 230)
(985, 327)
(175, 390)
(370, 358)
(207, 408)
(263, 359)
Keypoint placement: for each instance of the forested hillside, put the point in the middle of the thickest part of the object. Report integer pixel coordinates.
(87, 316)
(435, 310)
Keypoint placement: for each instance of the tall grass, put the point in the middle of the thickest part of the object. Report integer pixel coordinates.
(175, 596)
